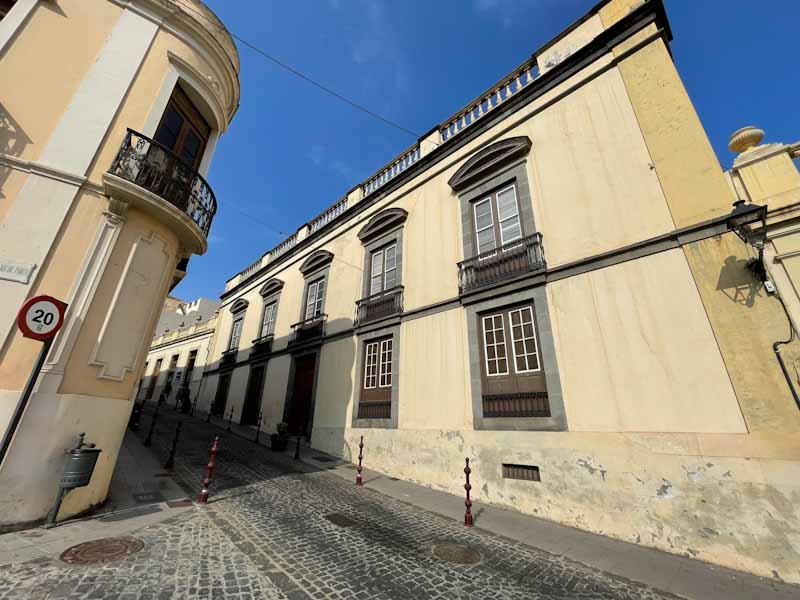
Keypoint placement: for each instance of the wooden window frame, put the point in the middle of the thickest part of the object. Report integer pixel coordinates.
(269, 325)
(495, 345)
(385, 366)
(534, 338)
(497, 223)
(382, 251)
(371, 360)
(319, 299)
(192, 118)
(237, 320)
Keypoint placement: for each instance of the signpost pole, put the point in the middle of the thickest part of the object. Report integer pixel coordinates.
(23, 400)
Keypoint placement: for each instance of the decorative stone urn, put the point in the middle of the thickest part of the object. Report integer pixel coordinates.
(745, 138)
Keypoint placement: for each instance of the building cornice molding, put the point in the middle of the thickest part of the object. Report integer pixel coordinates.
(206, 85)
(181, 340)
(41, 169)
(188, 28)
(648, 13)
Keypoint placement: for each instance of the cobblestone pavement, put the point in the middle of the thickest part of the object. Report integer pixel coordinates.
(266, 535)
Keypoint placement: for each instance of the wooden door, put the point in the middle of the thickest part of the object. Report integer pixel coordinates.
(221, 397)
(299, 410)
(252, 398)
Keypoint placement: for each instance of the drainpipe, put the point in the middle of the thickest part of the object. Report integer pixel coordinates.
(776, 348)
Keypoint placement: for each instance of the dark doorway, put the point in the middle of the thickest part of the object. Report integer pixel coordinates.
(252, 398)
(299, 409)
(221, 398)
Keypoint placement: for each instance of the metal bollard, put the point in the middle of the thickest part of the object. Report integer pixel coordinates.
(208, 414)
(149, 439)
(297, 449)
(171, 459)
(194, 403)
(359, 479)
(230, 420)
(468, 502)
(258, 427)
(202, 497)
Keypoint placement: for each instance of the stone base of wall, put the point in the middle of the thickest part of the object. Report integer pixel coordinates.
(35, 461)
(728, 499)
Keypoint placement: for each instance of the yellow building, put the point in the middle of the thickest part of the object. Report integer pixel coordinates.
(548, 280)
(107, 136)
(178, 354)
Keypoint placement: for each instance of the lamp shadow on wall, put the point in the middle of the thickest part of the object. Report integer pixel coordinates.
(13, 141)
(737, 282)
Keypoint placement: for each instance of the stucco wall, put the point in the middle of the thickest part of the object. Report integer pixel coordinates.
(746, 322)
(691, 494)
(74, 31)
(682, 156)
(636, 352)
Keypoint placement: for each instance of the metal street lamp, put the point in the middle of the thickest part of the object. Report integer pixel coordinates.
(741, 221)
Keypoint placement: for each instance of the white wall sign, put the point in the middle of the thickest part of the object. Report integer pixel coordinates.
(11, 270)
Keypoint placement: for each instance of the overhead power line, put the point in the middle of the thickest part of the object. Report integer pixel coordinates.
(301, 75)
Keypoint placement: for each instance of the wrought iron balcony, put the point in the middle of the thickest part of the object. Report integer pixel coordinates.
(381, 305)
(489, 268)
(374, 410)
(308, 329)
(262, 345)
(526, 404)
(228, 357)
(155, 168)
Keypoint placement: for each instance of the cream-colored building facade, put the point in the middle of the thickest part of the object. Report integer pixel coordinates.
(105, 139)
(548, 283)
(180, 357)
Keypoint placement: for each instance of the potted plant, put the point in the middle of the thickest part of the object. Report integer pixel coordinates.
(278, 441)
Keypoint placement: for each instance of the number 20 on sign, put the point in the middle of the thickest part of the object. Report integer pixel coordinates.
(41, 317)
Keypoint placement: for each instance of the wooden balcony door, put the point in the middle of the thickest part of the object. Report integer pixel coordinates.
(252, 398)
(298, 412)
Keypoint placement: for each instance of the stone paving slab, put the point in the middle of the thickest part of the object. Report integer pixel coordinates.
(286, 529)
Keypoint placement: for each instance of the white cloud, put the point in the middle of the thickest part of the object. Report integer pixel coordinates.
(376, 43)
(318, 155)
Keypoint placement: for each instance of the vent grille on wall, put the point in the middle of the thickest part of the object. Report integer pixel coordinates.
(523, 472)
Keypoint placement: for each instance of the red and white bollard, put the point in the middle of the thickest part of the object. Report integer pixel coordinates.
(359, 479)
(202, 497)
(468, 502)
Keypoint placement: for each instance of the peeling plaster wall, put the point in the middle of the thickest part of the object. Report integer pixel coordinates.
(668, 491)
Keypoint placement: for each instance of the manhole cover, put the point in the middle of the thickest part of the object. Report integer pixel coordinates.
(101, 551)
(456, 553)
(340, 520)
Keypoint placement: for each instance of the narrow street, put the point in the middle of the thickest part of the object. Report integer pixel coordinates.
(278, 528)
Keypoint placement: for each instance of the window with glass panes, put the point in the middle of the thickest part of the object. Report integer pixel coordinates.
(268, 320)
(182, 129)
(377, 379)
(383, 270)
(512, 378)
(236, 332)
(497, 220)
(315, 296)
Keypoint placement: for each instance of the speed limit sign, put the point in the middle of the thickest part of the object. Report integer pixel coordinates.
(41, 317)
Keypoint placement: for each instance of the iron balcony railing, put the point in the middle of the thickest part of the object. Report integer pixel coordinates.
(378, 306)
(509, 260)
(262, 345)
(157, 169)
(374, 410)
(228, 357)
(308, 329)
(525, 404)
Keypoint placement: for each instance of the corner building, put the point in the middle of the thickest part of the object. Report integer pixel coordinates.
(108, 133)
(534, 285)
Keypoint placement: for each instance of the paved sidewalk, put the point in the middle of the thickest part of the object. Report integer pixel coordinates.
(286, 529)
(141, 493)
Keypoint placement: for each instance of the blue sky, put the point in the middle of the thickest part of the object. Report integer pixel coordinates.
(293, 150)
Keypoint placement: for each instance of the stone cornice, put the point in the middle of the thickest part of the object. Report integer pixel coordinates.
(41, 169)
